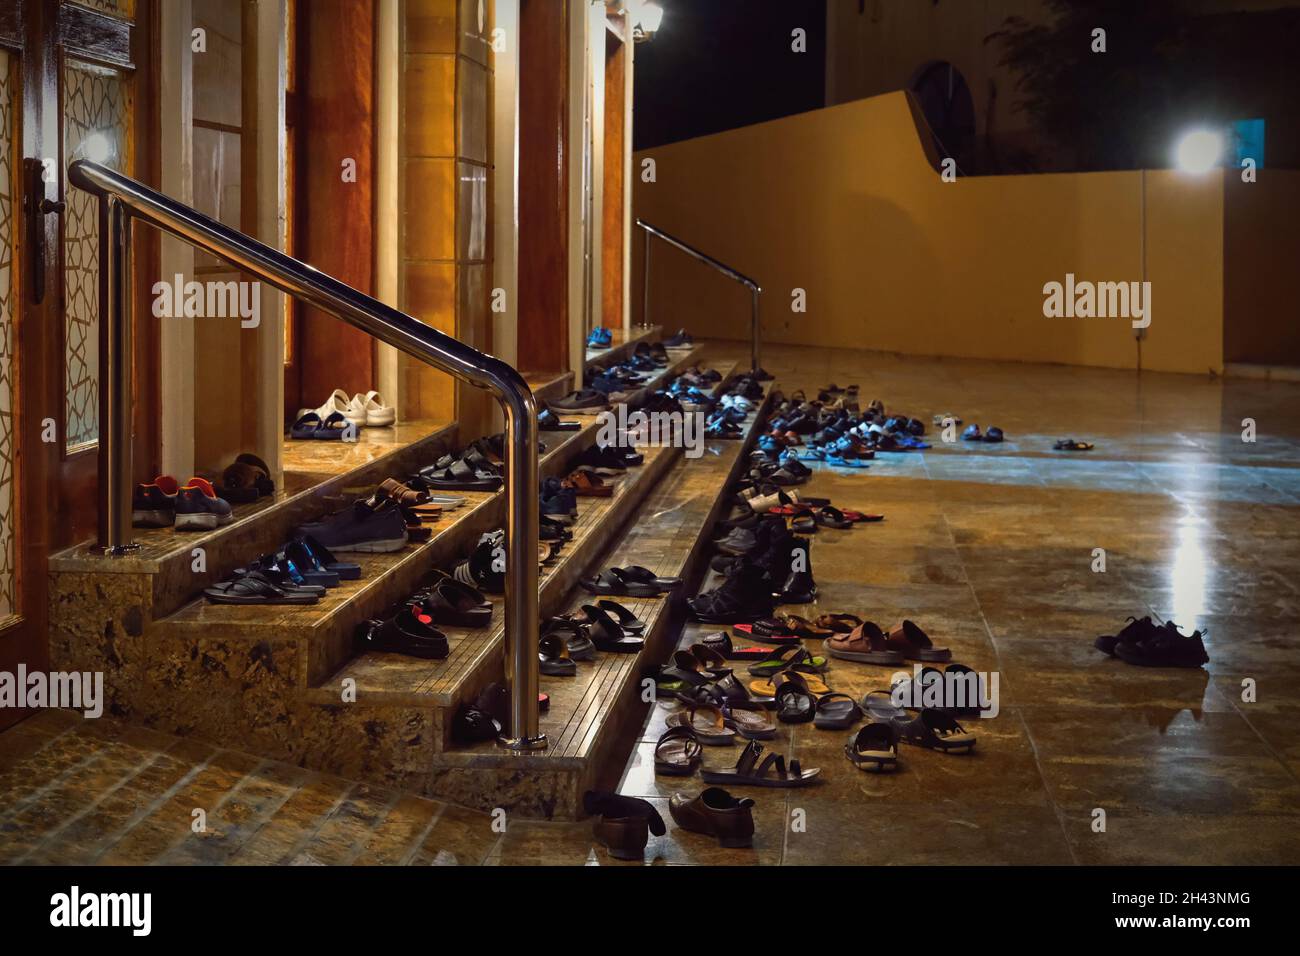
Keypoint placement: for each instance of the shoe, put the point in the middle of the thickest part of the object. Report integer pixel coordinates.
(477, 571)
(360, 528)
(745, 596)
(1137, 629)
(199, 509)
(408, 632)
(624, 824)
(715, 813)
(369, 410)
(600, 338)
(1167, 647)
(682, 340)
(586, 399)
(154, 505)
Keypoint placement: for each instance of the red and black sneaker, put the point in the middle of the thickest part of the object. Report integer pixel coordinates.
(154, 505)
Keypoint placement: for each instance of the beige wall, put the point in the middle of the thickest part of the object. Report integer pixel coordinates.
(842, 203)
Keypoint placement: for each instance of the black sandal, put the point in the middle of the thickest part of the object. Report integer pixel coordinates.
(771, 772)
(404, 633)
(255, 588)
(874, 748)
(677, 754)
(935, 730)
(836, 711)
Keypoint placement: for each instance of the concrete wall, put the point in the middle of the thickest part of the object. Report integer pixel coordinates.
(843, 203)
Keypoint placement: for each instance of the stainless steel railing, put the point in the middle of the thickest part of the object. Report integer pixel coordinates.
(755, 290)
(122, 201)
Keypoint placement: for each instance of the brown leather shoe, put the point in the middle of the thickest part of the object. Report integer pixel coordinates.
(716, 813)
(624, 824)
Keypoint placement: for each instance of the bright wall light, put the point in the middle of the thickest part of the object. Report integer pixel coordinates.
(97, 148)
(1199, 151)
(646, 18)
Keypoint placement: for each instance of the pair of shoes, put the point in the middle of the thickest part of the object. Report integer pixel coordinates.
(362, 410)
(193, 506)
(1146, 644)
(972, 433)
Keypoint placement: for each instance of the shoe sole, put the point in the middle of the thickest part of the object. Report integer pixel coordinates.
(372, 547)
(196, 522)
(153, 519)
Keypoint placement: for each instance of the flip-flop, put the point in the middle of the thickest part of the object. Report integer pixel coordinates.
(782, 657)
(767, 687)
(707, 721)
(254, 588)
(333, 427)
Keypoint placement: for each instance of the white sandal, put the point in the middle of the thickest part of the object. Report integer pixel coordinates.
(337, 402)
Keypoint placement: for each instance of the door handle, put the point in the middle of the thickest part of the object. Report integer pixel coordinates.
(39, 206)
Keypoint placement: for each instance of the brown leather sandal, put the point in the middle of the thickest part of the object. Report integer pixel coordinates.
(914, 644)
(839, 623)
(866, 644)
(588, 484)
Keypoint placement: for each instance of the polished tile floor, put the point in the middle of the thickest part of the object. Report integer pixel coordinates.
(992, 550)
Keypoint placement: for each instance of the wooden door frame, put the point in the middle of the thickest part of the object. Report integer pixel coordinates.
(50, 486)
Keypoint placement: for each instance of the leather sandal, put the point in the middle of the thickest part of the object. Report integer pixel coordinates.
(915, 645)
(677, 754)
(865, 644)
(771, 771)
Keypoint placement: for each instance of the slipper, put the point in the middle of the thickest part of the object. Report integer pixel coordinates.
(808, 679)
(873, 748)
(935, 730)
(794, 705)
(677, 753)
(306, 427)
(371, 405)
(553, 656)
(611, 582)
(720, 641)
(255, 588)
(708, 723)
(881, 706)
(770, 772)
(332, 428)
(405, 633)
(346, 570)
(865, 644)
(802, 627)
(1070, 444)
(915, 645)
(245, 480)
(839, 623)
(783, 657)
(460, 475)
(626, 619)
(836, 711)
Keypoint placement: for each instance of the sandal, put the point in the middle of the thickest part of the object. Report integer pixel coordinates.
(882, 707)
(626, 619)
(865, 644)
(553, 656)
(836, 711)
(588, 484)
(720, 641)
(1065, 444)
(874, 748)
(914, 644)
(807, 679)
(802, 627)
(255, 588)
(794, 705)
(839, 623)
(935, 730)
(771, 772)
(460, 475)
(611, 582)
(782, 657)
(830, 517)
(677, 753)
(706, 721)
(769, 630)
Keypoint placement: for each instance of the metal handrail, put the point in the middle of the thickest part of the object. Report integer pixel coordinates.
(122, 200)
(755, 290)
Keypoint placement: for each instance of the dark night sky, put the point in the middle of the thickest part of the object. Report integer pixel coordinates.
(719, 64)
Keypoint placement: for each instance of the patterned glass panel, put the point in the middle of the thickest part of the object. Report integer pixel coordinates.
(122, 9)
(95, 116)
(8, 318)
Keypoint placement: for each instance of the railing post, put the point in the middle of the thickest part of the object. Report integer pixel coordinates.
(755, 333)
(115, 358)
(645, 288)
(521, 568)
